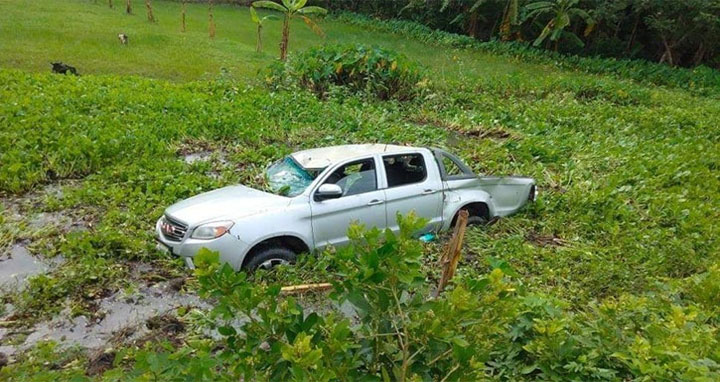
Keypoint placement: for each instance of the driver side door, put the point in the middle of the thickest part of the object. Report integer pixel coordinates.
(361, 202)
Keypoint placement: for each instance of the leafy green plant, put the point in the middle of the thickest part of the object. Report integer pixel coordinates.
(402, 334)
(371, 70)
(260, 23)
(562, 12)
(290, 9)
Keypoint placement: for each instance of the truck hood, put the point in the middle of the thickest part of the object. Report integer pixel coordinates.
(231, 202)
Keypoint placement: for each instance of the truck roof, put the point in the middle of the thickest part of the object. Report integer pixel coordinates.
(325, 156)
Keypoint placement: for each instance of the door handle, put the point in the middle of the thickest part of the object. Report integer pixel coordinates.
(428, 191)
(374, 202)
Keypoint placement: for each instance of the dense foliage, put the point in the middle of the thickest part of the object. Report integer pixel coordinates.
(371, 70)
(611, 275)
(676, 32)
(488, 327)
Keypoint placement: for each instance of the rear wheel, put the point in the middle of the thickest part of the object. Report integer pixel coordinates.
(476, 220)
(270, 257)
(477, 215)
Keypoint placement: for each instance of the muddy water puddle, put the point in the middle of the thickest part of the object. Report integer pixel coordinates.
(120, 312)
(17, 264)
(204, 156)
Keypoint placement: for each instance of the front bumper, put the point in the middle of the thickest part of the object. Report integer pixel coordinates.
(231, 249)
(164, 248)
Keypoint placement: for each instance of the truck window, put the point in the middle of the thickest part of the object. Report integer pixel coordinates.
(404, 169)
(451, 168)
(355, 177)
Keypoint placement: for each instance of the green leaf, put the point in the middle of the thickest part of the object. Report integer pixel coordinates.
(358, 300)
(528, 369)
(270, 5)
(227, 331)
(312, 10)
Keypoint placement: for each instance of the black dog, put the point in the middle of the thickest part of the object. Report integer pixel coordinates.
(60, 68)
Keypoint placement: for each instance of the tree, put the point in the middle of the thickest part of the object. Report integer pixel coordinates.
(110, 3)
(510, 19)
(211, 19)
(259, 21)
(184, 6)
(469, 15)
(290, 9)
(150, 16)
(562, 11)
(688, 28)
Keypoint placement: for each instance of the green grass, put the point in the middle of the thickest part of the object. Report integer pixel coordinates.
(83, 33)
(629, 199)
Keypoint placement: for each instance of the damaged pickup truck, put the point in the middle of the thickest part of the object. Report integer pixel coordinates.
(316, 194)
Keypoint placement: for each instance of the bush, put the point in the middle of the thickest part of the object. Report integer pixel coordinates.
(380, 72)
(485, 327)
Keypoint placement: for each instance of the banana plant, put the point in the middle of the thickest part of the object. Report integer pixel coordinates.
(290, 9)
(509, 20)
(562, 11)
(259, 22)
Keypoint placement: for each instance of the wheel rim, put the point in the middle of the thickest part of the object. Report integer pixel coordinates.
(270, 263)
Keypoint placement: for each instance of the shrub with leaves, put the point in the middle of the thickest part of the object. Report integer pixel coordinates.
(398, 332)
(372, 70)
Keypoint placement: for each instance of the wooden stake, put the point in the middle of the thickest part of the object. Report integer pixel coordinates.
(298, 289)
(451, 256)
(211, 19)
(184, 5)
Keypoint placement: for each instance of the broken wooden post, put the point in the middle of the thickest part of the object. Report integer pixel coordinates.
(451, 256)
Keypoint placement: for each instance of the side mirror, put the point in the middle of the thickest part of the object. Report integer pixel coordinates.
(328, 191)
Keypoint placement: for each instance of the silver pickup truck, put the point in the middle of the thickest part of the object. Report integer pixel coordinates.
(314, 195)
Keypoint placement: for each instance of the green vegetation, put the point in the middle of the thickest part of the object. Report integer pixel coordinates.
(373, 71)
(84, 34)
(259, 21)
(291, 9)
(701, 80)
(612, 275)
(682, 33)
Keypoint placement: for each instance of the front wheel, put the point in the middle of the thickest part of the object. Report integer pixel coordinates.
(271, 257)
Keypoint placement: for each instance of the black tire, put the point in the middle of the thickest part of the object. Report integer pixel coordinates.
(270, 257)
(472, 219)
(476, 220)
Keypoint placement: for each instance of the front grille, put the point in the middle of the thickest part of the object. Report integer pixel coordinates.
(172, 229)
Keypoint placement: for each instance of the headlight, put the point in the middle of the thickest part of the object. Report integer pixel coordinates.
(212, 230)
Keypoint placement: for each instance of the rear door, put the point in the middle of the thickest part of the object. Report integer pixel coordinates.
(412, 183)
(362, 202)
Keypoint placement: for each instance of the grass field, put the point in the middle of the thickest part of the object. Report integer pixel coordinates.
(622, 247)
(84, 34)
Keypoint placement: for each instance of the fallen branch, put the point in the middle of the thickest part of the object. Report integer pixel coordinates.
(299, 289)
(5, 324)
